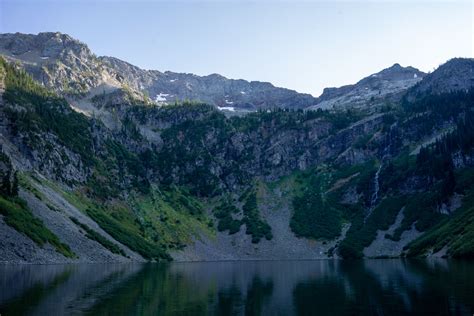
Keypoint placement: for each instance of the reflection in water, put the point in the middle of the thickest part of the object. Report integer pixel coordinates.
(370, 287)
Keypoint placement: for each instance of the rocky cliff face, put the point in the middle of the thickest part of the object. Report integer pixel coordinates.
(58, 61)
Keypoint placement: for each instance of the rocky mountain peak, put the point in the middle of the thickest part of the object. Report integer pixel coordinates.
(454, 75)
(54, 44)
(394, 68)
(45, 45)
(57, 60)
(394, 73)
(386, 85)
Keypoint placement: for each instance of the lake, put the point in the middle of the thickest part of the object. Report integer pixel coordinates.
(325, 287)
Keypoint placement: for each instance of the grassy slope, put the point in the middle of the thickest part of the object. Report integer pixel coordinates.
(455, 233)
(17, 215)
(93, 235)
(150, 224)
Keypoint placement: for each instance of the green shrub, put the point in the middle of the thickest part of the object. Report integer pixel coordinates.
(223, 213)
(312, 217)
(255, 225)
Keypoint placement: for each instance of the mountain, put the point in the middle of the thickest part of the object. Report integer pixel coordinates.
(58, 61)
(380, 88)
(92, 171)
(70, 68)
(456, 74)
(212, 89)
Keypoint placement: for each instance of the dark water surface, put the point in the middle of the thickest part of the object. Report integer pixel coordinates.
(370, 287)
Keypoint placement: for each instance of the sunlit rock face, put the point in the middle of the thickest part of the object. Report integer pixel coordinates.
(380, 88)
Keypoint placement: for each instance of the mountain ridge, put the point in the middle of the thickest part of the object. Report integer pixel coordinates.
(159, 86)
(168, 87)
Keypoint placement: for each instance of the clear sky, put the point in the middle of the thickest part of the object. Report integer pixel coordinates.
(305, 45)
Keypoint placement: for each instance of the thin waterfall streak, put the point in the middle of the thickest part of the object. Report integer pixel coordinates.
(375, 194)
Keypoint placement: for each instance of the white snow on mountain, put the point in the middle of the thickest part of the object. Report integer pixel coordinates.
(226, 108)
(161, 97)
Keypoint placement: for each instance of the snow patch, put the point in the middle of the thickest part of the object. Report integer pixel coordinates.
(226, 108)
(173, 80)
(161, 97)
(229, 102)
(242, 92)
(44, 57)
(415, 76)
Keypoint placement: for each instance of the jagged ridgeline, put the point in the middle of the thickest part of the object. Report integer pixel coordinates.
(185, 181)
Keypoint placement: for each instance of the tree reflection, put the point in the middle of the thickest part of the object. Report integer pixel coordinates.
(370, 287)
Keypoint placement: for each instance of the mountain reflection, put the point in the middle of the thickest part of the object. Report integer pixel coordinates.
(369, 287)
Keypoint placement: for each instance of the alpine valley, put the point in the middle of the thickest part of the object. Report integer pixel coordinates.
(102, 161)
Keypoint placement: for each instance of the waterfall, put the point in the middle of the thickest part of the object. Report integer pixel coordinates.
(375, 195)
(386, 154)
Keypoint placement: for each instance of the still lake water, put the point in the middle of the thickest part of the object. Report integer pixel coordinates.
(325, 287)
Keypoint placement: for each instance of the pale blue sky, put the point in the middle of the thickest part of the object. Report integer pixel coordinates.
(306, 45)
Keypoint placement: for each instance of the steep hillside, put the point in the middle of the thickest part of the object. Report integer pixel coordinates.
(184, 181)
(133, 183)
